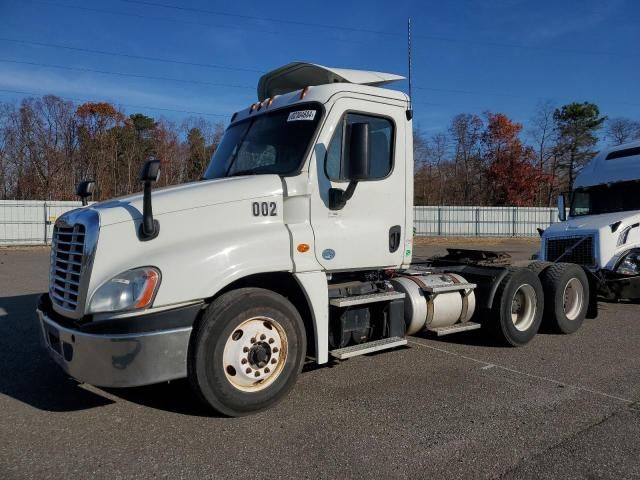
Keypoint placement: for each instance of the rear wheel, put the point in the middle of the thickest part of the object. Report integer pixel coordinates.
(517, 308)
(566, 289)
(247, 351)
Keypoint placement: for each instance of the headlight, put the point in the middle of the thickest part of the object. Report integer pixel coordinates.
(131, 290)
(630, 263)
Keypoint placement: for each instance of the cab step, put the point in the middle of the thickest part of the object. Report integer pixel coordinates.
(369, 347)
(368, 298)
(459, 327)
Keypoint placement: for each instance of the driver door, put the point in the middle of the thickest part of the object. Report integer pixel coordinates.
(369, 231)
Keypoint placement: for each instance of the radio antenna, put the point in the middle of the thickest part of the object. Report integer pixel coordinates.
(410, 105)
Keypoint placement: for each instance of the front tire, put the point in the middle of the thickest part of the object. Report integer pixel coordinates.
(247, 351)
(566, 289)
(517, 309)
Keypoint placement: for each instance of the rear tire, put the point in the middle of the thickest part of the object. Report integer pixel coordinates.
(247, 351)
(517, 309)
(566, 289)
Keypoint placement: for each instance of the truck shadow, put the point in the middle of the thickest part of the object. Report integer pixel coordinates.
(175, 397)
(29, 375)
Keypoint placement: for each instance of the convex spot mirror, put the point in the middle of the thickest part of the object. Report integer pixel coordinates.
(150, 171)
(85, 189)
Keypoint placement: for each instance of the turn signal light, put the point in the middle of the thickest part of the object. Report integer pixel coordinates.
(303, 247)
(149, 289)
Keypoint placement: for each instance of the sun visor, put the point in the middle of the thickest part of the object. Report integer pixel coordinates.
(298, 75)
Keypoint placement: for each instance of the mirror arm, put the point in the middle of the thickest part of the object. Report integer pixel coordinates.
(338, 198)
(149, 228)
(349, 191)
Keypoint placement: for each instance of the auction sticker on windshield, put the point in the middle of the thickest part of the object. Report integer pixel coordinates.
(301, 115)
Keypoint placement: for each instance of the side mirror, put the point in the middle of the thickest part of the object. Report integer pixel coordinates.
(85, 190)
(149, 228)
(357, 161)
(562, 209)
(356, 165)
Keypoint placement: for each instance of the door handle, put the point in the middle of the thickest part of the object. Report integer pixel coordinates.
(394, 238)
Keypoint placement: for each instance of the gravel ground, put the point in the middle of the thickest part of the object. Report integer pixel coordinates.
(457, 407)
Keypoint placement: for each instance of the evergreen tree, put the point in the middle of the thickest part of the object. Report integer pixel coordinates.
(576, 126)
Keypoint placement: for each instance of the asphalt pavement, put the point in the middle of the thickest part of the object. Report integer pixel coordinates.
(456, 407)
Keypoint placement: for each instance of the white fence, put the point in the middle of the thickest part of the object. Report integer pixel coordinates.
(482, 221)
(30, 222)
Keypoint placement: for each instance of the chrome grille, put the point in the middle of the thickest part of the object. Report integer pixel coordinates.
(67, 252)
(576, 249)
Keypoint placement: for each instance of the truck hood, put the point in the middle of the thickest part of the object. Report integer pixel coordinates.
(594, 222)
(608, 245)
(189, 196)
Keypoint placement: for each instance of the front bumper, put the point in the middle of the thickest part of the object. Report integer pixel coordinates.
(618, 287)
(116, 356)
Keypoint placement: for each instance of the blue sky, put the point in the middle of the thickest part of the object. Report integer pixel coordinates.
(469, 56)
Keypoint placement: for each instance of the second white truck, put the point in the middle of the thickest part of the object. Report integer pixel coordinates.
(602, 231)
(296, 246)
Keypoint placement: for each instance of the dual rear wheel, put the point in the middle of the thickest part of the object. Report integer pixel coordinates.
(524, 300)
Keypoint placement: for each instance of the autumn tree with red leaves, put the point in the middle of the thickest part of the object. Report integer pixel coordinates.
(512, 176)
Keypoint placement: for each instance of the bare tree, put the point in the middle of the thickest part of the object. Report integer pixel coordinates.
(621, 130)
(544, 139)
(437, 149)
(466, 132)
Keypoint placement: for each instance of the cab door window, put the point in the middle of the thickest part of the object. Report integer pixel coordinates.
(381, 137)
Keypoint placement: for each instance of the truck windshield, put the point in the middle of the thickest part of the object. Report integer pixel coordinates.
(272, 143)
(616, 197)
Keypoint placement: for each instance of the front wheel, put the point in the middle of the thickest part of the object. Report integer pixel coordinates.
(247, 351)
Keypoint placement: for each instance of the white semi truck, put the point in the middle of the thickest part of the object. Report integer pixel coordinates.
(602, 232)
(295, 246)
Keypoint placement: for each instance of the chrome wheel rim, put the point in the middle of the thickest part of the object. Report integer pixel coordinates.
(573, 298)
(523, 307)
(255, 354)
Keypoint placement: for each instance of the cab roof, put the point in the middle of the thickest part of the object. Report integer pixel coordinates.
(297, 75)
(615, 164)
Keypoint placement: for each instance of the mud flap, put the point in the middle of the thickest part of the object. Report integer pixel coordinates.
(594, 284)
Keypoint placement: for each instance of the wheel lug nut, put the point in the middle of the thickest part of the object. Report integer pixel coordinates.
(257, 374)
(253, 340)
(273, 360)
(245, 349)
(275, 349)
(271, 340)
(263, 336)
(266, 370)
(248, 370)
(243, 361)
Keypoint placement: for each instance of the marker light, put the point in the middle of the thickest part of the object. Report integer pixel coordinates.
(303, 247)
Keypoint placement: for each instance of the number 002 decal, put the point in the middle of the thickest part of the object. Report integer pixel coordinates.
(264, 209)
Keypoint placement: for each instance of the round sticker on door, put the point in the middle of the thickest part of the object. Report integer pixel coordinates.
(328, 254)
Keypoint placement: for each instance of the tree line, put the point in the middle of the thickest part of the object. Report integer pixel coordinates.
(489, 160)
(48, 145)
